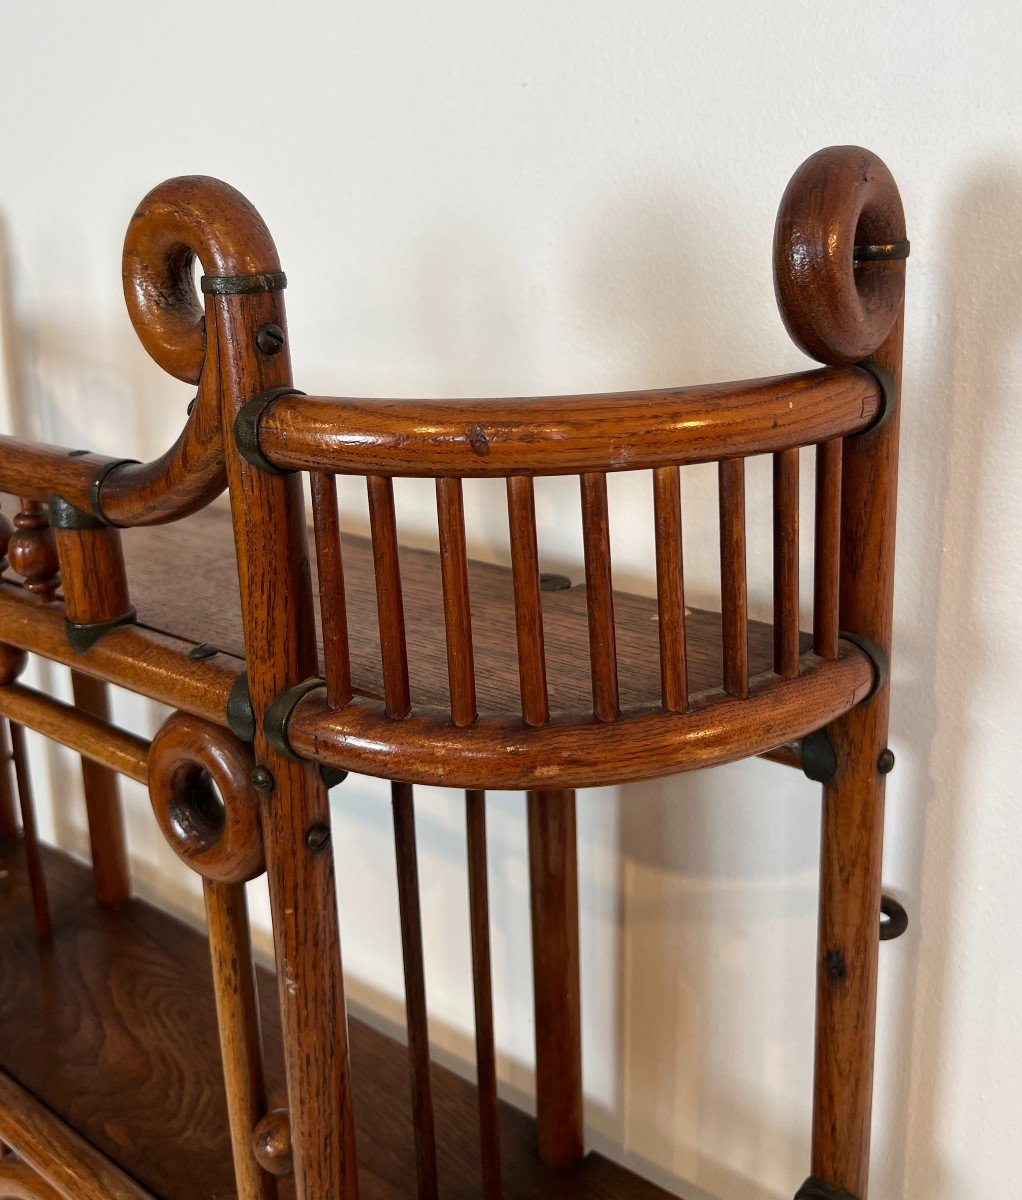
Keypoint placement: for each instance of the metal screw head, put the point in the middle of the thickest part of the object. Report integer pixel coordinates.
(318, 837)
(885, 762)
(270, 339)
(201, 651)
(262, 780)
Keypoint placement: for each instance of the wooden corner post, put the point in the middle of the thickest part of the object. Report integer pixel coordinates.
(236, 349)
(840, 251)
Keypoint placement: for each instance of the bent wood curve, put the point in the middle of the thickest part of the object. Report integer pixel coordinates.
(566, 435)
(507, 754)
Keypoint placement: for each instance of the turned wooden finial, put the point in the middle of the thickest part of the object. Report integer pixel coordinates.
(271, 1143)
(32, 552)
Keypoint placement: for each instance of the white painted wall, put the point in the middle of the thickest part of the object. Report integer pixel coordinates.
(503, 198)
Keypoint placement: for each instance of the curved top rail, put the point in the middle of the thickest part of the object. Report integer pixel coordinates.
(566, 434)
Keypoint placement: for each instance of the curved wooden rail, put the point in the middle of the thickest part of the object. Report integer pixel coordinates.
(496, 753)
(567, 435)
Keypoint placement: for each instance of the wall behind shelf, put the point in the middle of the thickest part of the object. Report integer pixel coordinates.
(481, 198)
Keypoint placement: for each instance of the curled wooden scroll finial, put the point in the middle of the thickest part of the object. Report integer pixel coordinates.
(181, 221)
(839, 306)
(204, 801)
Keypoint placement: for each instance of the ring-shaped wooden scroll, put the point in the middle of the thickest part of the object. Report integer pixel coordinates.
(204, 801)
(181, 222)
(836, 309)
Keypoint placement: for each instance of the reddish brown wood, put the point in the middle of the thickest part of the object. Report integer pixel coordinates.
(332, 606)
(500, 754)
(280, 644)
(827, 556)
(734, 593)
(553, 884)
(88, 735)
(482, 994)
(670, 589)
(521, 507)
(457, 602)
(29, 833)
(786, 630)
(230, 946)
(31, 551)
(131, 990)
(415, 990)
(600, 596)
(566, 435)
(271, 1143)
(8, 820)
(18, 1181)
(93, 580)
(103, 803)
(839, 310)
(393, 651)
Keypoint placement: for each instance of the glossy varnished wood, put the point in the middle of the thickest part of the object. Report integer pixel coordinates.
(131, 991)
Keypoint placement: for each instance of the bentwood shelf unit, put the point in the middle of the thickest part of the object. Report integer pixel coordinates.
(128, 1067)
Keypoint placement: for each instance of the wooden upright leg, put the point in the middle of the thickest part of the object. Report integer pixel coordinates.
(553, 872)
(8, 820)
(110, 879)
(853, 816)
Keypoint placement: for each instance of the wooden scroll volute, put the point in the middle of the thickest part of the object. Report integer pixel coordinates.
(839, 306)
(220, 837)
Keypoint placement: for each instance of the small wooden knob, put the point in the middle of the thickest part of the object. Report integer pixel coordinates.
(32, 552)
(271, 1143)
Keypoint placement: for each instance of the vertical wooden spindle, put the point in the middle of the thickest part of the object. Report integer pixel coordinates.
(733, 587)
(670, 588)
(31, 551)
(8, 820)
(827, 555)
(330, 570)
(553, 884)
(415, 989)
(237, 1011)
(110, 876)
(389, 601)
(786, 563)
(599, 596)
(482, 991)
(33, 858)
(521, 504)
(457, 603)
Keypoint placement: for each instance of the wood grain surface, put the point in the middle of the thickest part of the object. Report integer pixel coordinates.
(112, 1025)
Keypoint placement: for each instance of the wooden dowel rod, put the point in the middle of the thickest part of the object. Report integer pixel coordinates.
(8, 820)
(52, 1148)
(389, 601)
(733, 586)
(33, 858)
(521, 505)
(415, 990)
(786, 648)
(110, 878)
(599, 596)
(482, 991)
(78, 730)
(788, 755)
(457, 602)
(18, 1181)
(670, 588)
(237, 1013)
(553, 884)
(332, 607)
(827, 556)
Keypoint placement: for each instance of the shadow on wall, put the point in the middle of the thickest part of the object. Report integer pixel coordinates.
(954, 413)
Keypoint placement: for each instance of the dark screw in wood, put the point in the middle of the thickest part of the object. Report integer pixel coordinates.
(202, 650)
(262, 780)
(318, 837)
(270, 339)
(885, 762)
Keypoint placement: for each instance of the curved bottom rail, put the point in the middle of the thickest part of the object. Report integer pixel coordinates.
(717, 729)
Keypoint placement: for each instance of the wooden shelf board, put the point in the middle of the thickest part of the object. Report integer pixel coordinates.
(183, 581)
(111, 1024)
